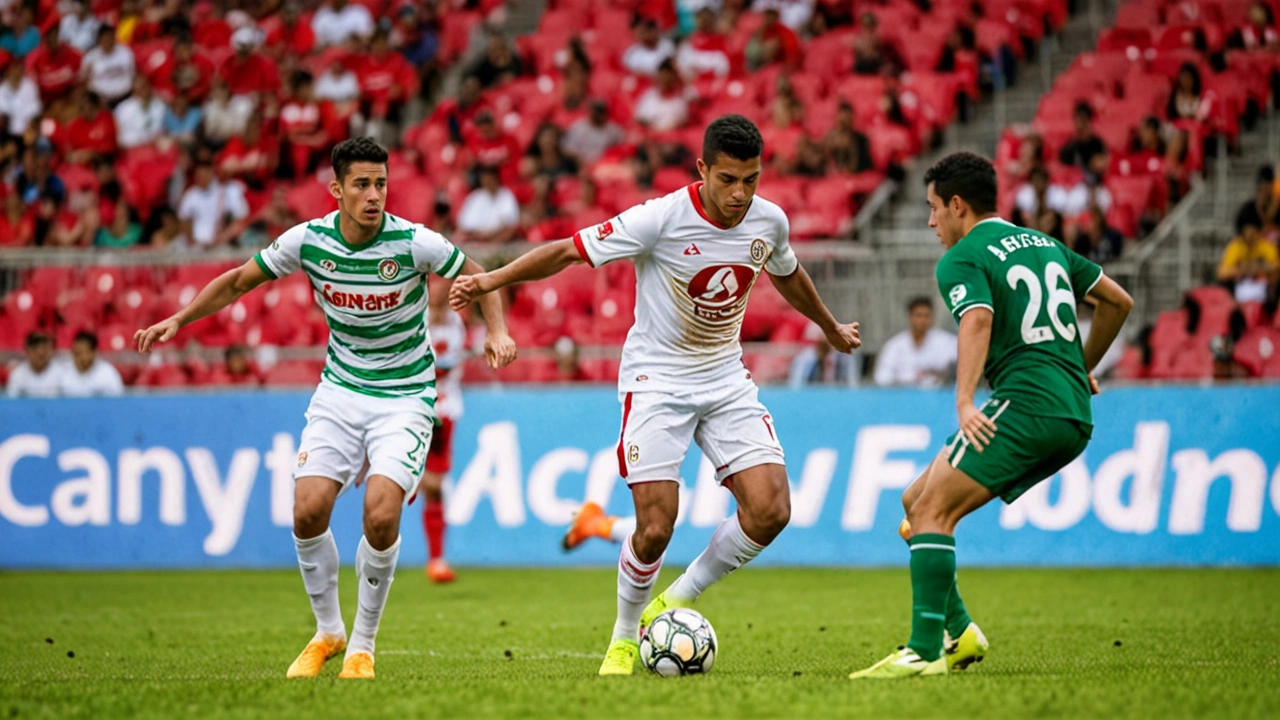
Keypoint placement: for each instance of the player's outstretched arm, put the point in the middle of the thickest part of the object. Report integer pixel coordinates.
(798, 290)
(221, 292)
(1114, 305)
(534, 265)
(499, 348)
(972, 346)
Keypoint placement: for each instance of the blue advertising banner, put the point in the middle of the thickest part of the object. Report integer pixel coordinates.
(1174, 476)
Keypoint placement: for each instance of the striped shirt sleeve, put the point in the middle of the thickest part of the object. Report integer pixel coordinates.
(283, 256)
(433, 253)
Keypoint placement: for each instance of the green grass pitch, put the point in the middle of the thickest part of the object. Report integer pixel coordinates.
(526, 643)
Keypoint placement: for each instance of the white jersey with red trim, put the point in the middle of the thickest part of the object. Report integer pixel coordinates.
(692, 281)
(449, 340)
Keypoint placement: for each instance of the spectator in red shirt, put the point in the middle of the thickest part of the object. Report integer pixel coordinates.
(387, 80)
(250, 158)
(186, 73)
(55, 66)
(491, 147)
(302, 126)
(774, 44)
(458, 114)
(17, 226)
(706, 52)
(93, 133)
(290, 35)
(248, 72)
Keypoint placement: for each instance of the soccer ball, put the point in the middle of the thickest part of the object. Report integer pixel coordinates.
(679, 642)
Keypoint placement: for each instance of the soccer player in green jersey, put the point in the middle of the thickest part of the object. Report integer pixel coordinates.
(1013, 292)
(377, 395)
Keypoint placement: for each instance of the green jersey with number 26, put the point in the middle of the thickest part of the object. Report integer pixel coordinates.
(1031, 283)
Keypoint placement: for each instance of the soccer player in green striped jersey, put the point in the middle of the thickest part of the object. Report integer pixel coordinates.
(377, 393)
(1013, 292)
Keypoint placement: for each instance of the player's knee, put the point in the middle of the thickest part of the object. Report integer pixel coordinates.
(773, 517)
(310, 518)
(650, 541)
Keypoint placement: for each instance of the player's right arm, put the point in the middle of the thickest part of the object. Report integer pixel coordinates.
(967, 293)
(277, 260)
(628, 235)
(1113, 308)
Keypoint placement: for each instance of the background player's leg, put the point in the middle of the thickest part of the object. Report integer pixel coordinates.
(376, 559)
(313, 499)
(764, 508)
(657, 504)
(948, 496)
(431, 487)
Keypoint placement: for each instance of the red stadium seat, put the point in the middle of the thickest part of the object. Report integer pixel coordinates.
(1259, 352)
(294, 373)
(1216, 305)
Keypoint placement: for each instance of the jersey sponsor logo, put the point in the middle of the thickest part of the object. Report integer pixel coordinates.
(692, 249)
(957, 294)
(360, 301)
(302, 458)
(388, 269)
(717, 290)
(604, 230)
(328, 265)
(758, 251)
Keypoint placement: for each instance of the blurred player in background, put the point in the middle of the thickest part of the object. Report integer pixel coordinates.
(449, 338)
(1013, 292)
(377, 393)
(697, 252)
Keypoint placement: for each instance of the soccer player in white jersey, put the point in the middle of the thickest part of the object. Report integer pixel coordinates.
(449, 340)
(697, 253)
(377, 393)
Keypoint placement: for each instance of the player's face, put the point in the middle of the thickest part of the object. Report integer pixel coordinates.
(942, 219)
(82, 353)
(363, 193)
(730, 184)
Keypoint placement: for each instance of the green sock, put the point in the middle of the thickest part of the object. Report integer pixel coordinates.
(957, 616)
(933, 572)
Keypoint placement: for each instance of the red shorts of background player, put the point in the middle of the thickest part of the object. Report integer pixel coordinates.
(440, 454)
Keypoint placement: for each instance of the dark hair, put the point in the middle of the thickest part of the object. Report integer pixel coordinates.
(1248, 216)
(731, 135)
(354, 150)
(106, 30)
(37, 337)
(918, 301)
(87, 336)
(1083, 108)
(1196, 84)
(968, 175)
(1266, 174)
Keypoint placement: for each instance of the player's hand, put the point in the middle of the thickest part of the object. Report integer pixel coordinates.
(465, 289)
(844, 338)
(977, 427)
(162, 331)
(499, 350)
(1093, 385)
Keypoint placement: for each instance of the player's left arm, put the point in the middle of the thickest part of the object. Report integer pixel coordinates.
(798, 290)
(1113, 308)
(796, 287)
(499, 348)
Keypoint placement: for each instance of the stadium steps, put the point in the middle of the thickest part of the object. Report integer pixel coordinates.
(907, 219)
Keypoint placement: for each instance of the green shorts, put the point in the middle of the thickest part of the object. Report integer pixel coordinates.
(1025, 450)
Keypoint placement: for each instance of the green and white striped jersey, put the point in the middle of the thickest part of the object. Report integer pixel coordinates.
(374, 298)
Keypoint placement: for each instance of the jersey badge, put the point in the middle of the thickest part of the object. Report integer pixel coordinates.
(606, 229)
(388, 269)
(328, 265)
(957, 294)
(633, 454)
(692, 249)
(302, 458)
(758, 251)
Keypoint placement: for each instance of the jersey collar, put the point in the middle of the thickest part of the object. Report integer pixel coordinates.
(696, 198)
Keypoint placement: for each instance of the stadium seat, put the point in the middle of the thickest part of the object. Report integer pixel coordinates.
(294, 373)
(1215, 306)
(1259, 352)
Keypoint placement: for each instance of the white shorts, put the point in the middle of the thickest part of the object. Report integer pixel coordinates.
(345, 427)
(728, 421)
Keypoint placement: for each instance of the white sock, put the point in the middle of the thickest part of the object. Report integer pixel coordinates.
(622, 529)
(318, 560)
(635, 585)
(375, 570)
(729, 549)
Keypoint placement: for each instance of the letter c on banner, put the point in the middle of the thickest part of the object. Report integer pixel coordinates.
(12, 450)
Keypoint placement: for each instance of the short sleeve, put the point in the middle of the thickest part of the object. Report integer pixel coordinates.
(632, 233)
(964, 286)
(783, 261)
(1084, 273)
(433, 253)
(283, 256)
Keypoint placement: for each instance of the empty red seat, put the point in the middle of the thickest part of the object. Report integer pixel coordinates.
(294, 373)
(1259, 352)
(1216, 305)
